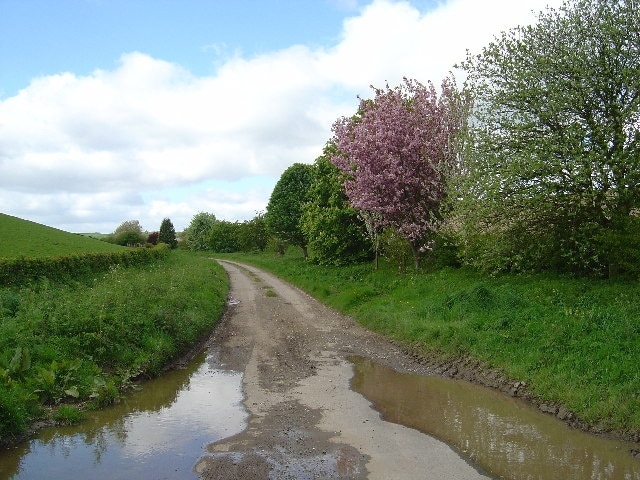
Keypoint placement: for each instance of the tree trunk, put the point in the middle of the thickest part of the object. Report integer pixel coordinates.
(416, 256)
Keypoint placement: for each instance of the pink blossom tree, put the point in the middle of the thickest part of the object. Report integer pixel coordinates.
(397, 152)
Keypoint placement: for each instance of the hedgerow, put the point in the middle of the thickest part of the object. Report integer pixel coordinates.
(22, 270)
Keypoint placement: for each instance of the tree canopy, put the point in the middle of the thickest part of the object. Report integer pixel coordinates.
(196, 234)
(167, 233)
(552, 173)
(397, 152)
(128, 233)
(286, 205)
(336, 234)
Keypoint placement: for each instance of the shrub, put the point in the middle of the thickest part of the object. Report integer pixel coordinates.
(153, 238)
(130, 239)
(68, 415)
(13, 413)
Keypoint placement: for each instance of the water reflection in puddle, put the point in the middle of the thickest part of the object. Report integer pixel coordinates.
(158, 432)
(503, 436)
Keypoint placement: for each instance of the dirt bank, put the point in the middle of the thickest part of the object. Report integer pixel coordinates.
(304, 420)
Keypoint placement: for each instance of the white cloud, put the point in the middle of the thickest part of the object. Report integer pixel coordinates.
(79, 152)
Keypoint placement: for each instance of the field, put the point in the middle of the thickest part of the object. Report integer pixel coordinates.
(575, 342)
(22, 238)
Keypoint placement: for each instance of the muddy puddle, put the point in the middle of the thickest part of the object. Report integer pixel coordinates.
(503, 436)
(157, 432)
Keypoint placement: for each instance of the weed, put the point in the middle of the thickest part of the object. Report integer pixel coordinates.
(68, 415)
(72, 341)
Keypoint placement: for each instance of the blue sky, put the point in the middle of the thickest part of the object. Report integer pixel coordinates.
(112, 110)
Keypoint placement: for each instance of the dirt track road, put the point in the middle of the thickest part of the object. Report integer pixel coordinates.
(304, 421)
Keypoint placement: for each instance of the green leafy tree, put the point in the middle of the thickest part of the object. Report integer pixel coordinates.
(223, 237)
(253, 234)
(128, 226)
(196, 234)
(129, 233)
(167, 233)
(337, 236)
(286, 205)
(551, 177)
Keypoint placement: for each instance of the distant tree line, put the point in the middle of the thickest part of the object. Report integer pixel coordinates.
(533, 164)
(206, 232)
(130, 234)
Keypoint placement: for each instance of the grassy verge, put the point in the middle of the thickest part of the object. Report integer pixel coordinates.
(84, 341)
(573, 341)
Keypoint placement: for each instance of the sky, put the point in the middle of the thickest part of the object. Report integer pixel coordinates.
(115, 110)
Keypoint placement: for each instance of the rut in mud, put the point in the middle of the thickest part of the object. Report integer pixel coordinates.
(304, 420)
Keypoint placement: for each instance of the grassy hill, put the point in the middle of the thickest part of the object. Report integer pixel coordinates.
(20, 237)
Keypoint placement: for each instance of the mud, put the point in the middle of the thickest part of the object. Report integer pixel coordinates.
(304, 420)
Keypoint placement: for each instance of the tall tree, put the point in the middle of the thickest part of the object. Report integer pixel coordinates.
(553, 171)
(286, 205)
(223, 237)
(167, 233)
(397, 152)
(336, 234)
(253, 234)
(196, 234)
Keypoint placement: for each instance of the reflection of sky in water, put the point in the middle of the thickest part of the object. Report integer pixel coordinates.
(504, 436)
(145, 443)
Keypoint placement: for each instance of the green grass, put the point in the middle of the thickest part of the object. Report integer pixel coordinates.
(68, 415)
(86, 340)
(573, 341)
(22, 238)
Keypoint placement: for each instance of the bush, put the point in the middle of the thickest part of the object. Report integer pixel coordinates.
(396, 249)
(13, 413)
(153, 238)
(130, 239)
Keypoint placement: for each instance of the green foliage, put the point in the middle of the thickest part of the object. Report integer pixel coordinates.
(223, 237)
(128, 226)
(14, 414)
(552, 168)
(57, 381)
(68, 415)
(207, 233)
(286, 205)
(64, 268)
(573, 341)
(252, 235)
(129, 238)
(167, 233)
(336, 235)
(85, 340)
(396, 249)
(9, 304)
(198, 230)
(22, 238)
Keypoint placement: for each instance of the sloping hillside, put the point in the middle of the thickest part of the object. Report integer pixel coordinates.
(20, 237)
